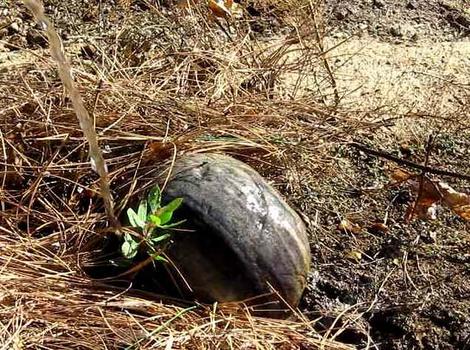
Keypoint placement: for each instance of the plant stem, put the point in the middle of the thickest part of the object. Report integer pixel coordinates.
(96, 156)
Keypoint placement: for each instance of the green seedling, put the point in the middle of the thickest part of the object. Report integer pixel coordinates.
(153, 223)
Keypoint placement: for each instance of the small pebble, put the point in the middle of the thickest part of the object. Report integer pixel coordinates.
(411, 5)
(341, 13)
(14, 28)
(379, 3)
(396, 31)
(34, 38)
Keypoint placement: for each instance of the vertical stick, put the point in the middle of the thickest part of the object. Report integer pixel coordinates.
(86, 123)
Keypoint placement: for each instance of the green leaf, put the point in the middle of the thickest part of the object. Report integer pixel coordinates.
(142, 212)
(166, 213)
(173, 224)
(173, 205)
(154, 198)
(160, 258)
(155, 220)
(134, 219)
(160, 238)
(165, 217)
(129, 247)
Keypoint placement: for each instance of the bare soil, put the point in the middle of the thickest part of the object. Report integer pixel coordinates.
(402, 20)
(412, 288)
(402, 60)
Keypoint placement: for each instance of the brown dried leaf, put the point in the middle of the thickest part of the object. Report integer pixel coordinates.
(432, 193)
(422, 210)
(425, 206)
(457, 201)
(354, 255)
(160, 150)
(221, 8)
(400, 175)
(347, 226)
(378, 228)
(184, 4)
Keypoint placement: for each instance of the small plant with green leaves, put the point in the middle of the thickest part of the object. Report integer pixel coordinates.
(153, 223)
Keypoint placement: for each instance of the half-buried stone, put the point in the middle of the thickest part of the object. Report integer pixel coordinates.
(245, 241)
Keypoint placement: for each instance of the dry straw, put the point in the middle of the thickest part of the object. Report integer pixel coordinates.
(189, 90)
(86, 123)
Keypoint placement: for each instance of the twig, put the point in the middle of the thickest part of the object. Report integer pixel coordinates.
(324, 57)
(411, 164)
(6, 25)
(422, 177)
(223, 29)
(134, 269)
(96, 155)
(161, 327)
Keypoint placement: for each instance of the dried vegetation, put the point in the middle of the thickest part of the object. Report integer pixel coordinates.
(158, 86)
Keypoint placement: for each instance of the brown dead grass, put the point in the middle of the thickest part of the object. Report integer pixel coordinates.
(189, 90)
(197, 93)
(48, 304)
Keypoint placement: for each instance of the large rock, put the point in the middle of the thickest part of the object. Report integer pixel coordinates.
(245, 236)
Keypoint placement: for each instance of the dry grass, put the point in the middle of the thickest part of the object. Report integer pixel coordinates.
(153, 98)
(195, 91)
(48, 304)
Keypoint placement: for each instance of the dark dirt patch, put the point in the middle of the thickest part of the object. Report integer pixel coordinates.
(401, 20)
(411, 284)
